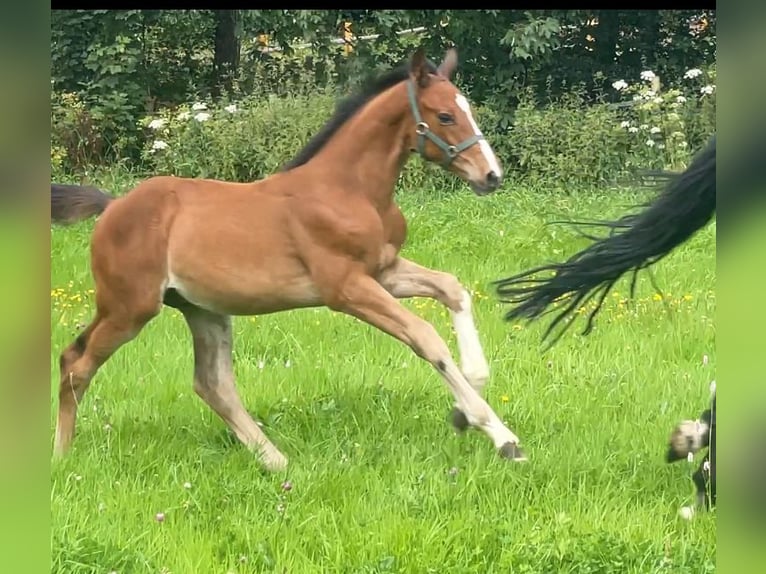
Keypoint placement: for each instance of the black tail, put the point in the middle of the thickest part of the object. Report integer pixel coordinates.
(72, 203)
(637, 241)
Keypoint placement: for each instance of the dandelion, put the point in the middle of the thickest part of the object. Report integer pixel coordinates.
(648, 75)
(693, 73)
(452, 471)
(620, 85)
(650, 143)
(625, 124)
(160, 517)
(231, 108)
(156, 123)
(505, 398)
(656, 297)
(633, 129)
(654, 130)
(680, 99)
(709, 89)
(159, 144)
(187, 485)
(183, 116)
(287, 486)
(202, 117)
(199, 106)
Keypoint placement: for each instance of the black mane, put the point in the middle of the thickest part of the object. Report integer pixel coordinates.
(348, 107)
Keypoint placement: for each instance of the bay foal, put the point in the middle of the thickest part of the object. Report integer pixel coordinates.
(325, 231)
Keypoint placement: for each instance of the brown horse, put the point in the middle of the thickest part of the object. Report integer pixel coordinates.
(325, 231)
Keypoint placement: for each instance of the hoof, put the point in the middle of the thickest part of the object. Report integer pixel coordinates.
(274, 461)
(459, 420)
(511, 451)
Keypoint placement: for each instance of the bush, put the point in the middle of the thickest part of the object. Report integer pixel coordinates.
(566, 143)
(247, 140)
(579, 145)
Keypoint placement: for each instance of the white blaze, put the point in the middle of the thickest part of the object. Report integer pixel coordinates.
(486, 149)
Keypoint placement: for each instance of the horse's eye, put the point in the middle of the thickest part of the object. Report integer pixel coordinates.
(446, 119)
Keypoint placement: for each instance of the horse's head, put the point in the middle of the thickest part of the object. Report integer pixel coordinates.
(445, 130)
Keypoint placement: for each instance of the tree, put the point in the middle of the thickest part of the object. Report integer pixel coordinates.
(227, 46)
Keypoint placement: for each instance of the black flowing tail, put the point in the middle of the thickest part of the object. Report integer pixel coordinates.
(72, 203)
(637, 241)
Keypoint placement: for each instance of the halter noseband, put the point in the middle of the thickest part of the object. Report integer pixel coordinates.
(423, 131)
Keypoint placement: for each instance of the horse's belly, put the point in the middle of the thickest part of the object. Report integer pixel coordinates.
(245, 288)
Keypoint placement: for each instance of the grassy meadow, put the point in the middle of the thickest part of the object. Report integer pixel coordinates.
(379, 480)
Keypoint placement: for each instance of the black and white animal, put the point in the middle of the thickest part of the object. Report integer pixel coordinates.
(688, 438)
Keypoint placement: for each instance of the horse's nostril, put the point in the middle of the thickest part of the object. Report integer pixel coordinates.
(492, 179)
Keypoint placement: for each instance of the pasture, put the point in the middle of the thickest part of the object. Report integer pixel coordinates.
(378, 480)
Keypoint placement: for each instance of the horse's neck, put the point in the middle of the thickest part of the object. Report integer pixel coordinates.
(371, 149)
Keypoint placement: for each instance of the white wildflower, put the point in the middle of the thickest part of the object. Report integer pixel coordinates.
(677, 135)
(649, 94)
(661, 146)
(709, 89)
(159, 144)
(231, 108)
(682, 144)
(633, 129)
(620, 85)
(202, 117)
(654, 130)
(681, 99)
(156, 123)
(643, 127)
(693, 73)
(199, 106)
(672, 116)
(625, 124)
(637, 97)
(183, 116)
(648, 75)
(650, 143)
(657, 100)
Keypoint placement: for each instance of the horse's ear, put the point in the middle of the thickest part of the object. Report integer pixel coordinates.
(418, 68)
(448, 66)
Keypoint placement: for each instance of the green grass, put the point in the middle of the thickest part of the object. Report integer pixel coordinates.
(381, 483)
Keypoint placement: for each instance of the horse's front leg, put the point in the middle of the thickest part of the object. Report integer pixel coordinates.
(406, 279)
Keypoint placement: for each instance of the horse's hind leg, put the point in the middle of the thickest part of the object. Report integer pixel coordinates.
(79, 363)
(214, 381)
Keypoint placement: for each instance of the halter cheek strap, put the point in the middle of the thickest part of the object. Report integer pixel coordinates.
(423, 131)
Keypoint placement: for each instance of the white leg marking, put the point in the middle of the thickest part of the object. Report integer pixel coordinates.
(473, 363)
(486, 149)
(476, 410)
